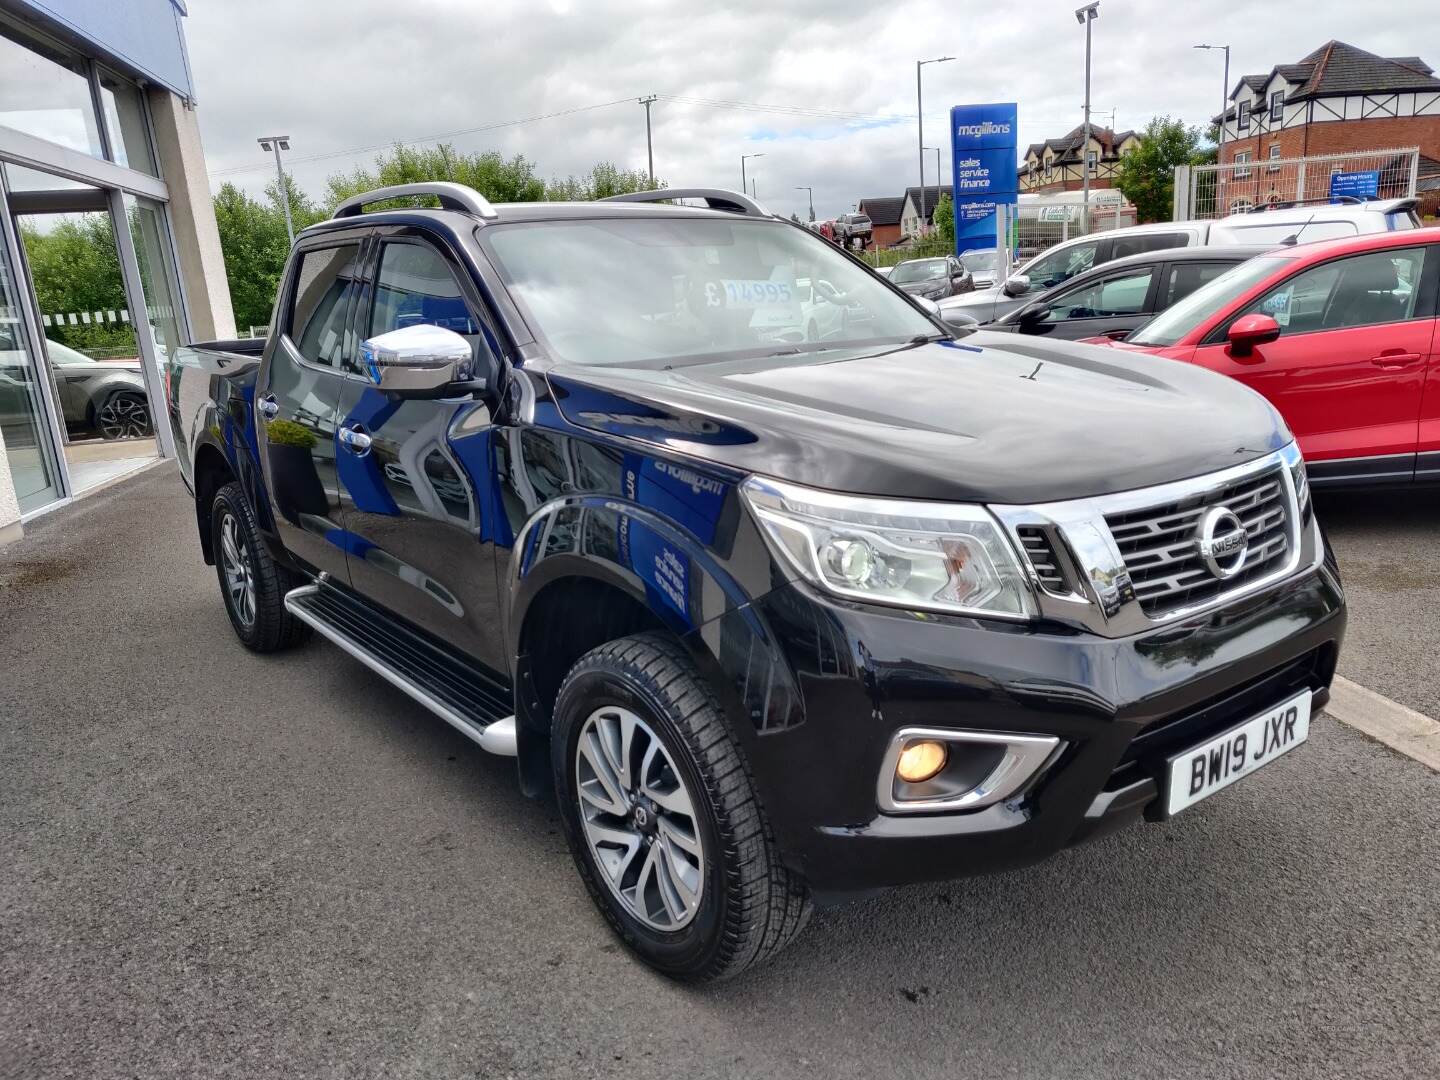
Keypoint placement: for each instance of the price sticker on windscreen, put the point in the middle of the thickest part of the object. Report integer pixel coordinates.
(773, 301)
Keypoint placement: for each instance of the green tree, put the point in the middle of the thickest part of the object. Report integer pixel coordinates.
(604, 180)
(255, 245)
(945, 220)
(76, 269)
(1146, 175)
(488, 173)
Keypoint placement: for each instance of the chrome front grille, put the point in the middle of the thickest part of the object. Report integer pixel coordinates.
(1158, 543)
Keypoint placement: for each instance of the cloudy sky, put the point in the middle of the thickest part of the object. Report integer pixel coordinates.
(834, 79)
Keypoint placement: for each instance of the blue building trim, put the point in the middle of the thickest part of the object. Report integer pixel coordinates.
(141, 38)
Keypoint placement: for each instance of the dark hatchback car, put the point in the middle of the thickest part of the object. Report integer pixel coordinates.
(1117, 297)
(934, 279)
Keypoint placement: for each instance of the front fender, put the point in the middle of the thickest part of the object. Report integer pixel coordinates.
(704, 601)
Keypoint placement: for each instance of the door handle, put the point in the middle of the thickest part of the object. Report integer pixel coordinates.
(269, 406)
(1395, 359)
(355, 439)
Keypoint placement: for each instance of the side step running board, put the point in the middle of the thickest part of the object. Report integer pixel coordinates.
(478, 707)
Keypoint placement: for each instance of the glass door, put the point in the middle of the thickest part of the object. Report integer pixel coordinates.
(25, 444)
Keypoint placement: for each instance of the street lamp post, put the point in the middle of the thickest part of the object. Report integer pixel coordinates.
(280, 142)
(920, 120)
(744, 186)
(649, 147)
(1224, 95)
(811, 192)
(1085, 16)
(939, 173)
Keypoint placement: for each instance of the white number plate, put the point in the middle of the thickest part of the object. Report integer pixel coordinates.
(1203, 770)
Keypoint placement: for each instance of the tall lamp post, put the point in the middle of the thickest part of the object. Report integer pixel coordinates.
(939, 173)
(1085, 16)
(744, 186)
(1224, 95)
(811, 192)
(920, 120)
(280, 142)
(649, 147)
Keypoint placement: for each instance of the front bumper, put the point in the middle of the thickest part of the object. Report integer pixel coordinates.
(1120, 705)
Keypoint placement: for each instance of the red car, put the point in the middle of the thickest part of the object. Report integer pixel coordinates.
(1342, 336)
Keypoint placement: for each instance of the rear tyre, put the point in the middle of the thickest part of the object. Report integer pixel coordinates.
(253, 585)
(661, 816)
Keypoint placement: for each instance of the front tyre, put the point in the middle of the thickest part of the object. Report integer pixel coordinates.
(662, 820)
(253, 585)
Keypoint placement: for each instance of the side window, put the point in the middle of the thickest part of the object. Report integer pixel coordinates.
(1122, 294)
(1364, 290)
(1142, 242)
(324, 283)
(1181, 279)
(414, 287)
(1050, 270)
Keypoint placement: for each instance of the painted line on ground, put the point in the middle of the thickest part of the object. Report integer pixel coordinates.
(1401, 728)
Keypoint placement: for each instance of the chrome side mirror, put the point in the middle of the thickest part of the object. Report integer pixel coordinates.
(416, 361)
(1018, 285)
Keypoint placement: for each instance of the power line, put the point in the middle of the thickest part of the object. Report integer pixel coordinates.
(431, 138)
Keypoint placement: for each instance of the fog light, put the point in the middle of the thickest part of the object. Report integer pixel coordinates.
(920, 761)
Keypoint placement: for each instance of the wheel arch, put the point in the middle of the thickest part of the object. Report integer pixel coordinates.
(569, 594)
(212, 471)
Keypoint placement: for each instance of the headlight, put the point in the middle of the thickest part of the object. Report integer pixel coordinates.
(931, 556)
(1300, 480)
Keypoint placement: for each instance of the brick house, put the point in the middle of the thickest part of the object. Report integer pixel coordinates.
(1338, 99)
(1055, 164)
(884, 214)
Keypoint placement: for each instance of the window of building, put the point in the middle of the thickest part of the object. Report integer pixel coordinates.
(1241, 206)
(1274, 156)
(1243, 119)
(125, 122)
(1277, 106)
(323, 287)
(1242, 165)
(45, 92)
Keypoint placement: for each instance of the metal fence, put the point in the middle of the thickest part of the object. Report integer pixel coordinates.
(1032, 230)
(1212, 191)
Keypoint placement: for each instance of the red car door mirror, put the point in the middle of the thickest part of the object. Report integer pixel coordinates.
(1249, 331)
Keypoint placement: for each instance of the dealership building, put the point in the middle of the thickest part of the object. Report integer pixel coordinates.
(102, 179)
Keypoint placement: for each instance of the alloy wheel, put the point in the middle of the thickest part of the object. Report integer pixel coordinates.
(125, 416)
(239, 574)
(639, 819)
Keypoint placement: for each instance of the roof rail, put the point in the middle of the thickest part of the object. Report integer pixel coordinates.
(715, 198)
(451, 196)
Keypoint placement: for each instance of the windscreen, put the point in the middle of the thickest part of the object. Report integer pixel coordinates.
(977, 261)
(918, 270)
(638, 290)
(1174, 323)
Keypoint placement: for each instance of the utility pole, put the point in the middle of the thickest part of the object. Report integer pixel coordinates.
(920, 122)
(811, 192)
(1224, 96)
(649, 147)
(1085, 16)
(281, 142)
(745, 187)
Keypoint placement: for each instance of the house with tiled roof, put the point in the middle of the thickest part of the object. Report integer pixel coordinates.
(1339, 99)
(884, 214)
(1056, 164)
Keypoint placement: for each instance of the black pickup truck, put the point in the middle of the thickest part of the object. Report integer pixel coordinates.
(776, 619)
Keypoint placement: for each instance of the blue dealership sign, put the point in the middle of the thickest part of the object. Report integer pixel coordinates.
(1354, 185)
(982, 165)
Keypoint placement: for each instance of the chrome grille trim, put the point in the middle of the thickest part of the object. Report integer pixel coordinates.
(1128, 556)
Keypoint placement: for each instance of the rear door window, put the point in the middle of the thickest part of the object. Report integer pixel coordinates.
(1182, 279)
(325, 283)
(1363, 290)
(1143, 242)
